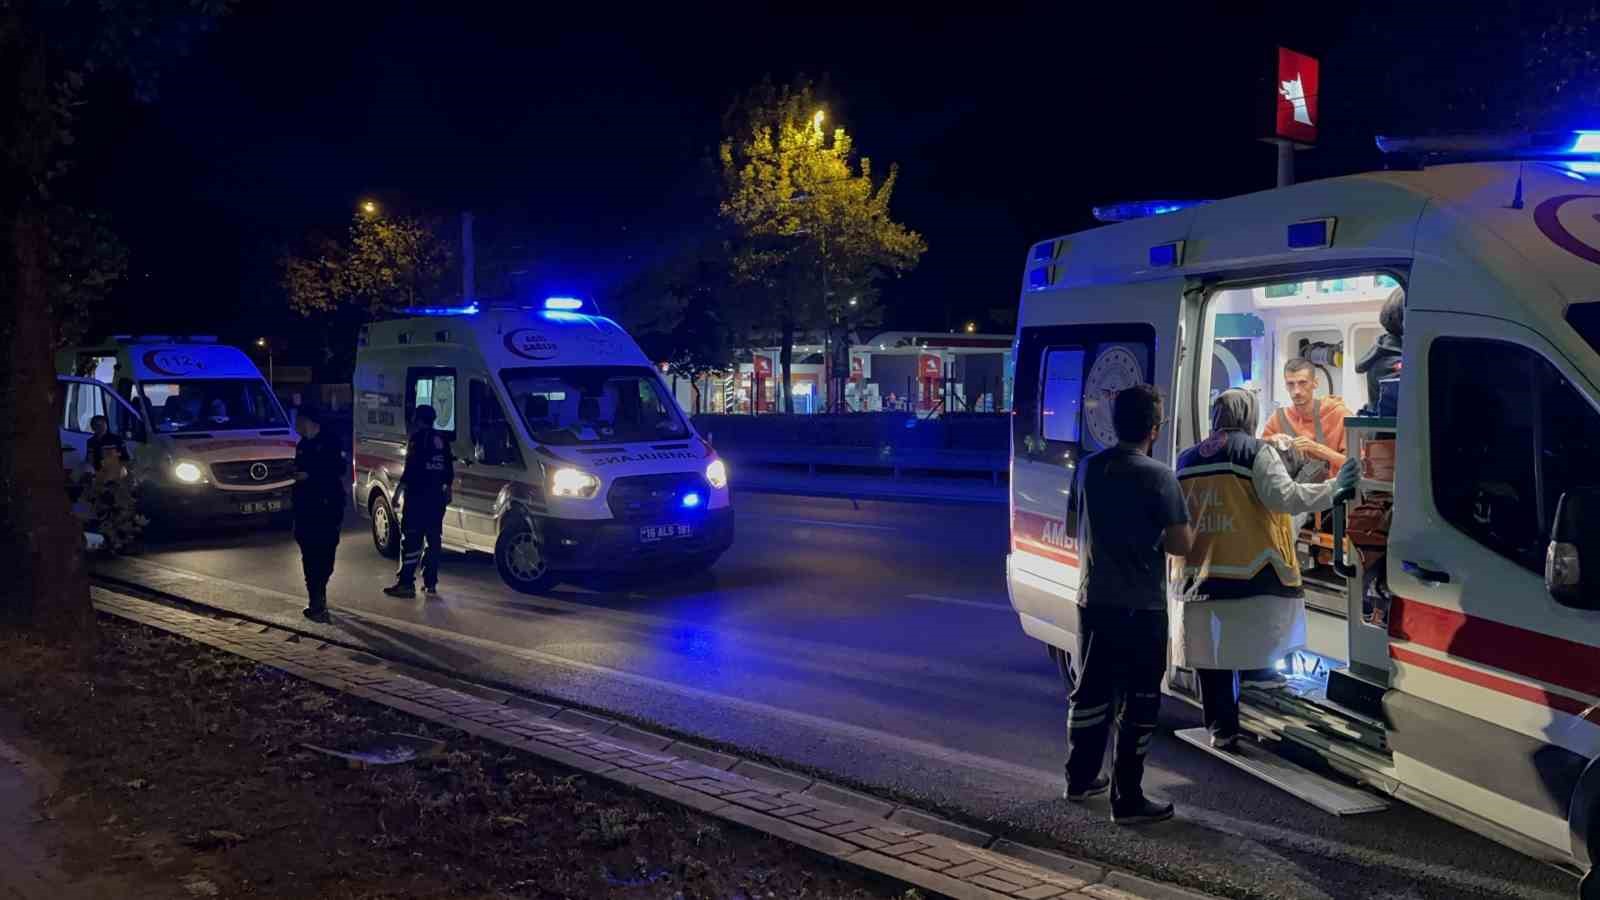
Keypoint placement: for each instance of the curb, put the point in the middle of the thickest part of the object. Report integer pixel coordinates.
(901, 843)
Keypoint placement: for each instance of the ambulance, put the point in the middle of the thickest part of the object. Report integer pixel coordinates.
(1476, 693)
(209, 440)
(571, 454)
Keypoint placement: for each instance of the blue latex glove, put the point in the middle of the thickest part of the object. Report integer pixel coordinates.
(1344, 484)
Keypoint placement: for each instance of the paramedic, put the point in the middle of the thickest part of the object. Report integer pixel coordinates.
(319, 502)
(1131, 514)
(1315, 424)
(430, 468)
(1383, 360)
(1240, 603)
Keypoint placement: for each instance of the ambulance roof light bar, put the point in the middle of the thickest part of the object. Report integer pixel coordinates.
(1544, 145)
(165, 339)
(471, 309)
(1143, 209)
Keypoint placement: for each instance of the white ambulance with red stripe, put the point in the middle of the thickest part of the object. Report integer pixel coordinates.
(572, 455)
(1475, 691)
(210, 442)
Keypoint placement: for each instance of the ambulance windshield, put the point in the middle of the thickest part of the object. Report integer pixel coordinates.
(564, 405)
(210, 404)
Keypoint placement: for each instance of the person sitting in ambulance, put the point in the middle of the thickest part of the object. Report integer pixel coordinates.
(1383, 360)
(1239, 600)
(1312, 426)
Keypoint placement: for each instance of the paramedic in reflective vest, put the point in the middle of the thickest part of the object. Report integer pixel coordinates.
(1240, 605)
(1131, 514)
(319, 502)
(430, 468)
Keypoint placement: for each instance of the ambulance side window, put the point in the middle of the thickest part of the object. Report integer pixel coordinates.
(434, 387)
(1510, 435)
(492, 439)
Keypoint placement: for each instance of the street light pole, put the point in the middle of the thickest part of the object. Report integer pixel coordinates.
(266, 345)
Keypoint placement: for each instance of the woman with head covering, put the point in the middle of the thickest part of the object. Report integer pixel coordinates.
(1240, 603)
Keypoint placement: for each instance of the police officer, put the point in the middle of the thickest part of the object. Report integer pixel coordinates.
(319, 472)
(430, 468)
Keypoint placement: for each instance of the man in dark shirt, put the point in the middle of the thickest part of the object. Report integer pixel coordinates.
(1131, 514)
(319, 501)
(102, 438)
(430, 468)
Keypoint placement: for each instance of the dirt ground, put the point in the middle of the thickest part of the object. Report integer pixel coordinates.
(170, 769)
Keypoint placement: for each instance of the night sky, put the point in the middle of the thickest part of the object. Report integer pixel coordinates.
(594, 136)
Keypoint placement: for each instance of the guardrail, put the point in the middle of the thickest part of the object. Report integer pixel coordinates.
(894, 442)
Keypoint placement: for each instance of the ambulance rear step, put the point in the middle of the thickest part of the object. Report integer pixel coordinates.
(1324, 793)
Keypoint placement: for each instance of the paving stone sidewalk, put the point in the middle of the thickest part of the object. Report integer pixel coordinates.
(942, 857)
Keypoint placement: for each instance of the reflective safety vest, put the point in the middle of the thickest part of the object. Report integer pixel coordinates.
(1241, 548)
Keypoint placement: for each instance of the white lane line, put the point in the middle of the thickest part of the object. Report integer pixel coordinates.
(824, 523)
(957, 601)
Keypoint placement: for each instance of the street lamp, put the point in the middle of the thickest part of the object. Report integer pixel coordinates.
(266, 345)
(817, 117)
(369, 207)
(972, 328)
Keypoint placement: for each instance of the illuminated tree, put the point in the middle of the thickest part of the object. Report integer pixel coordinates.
(813, 227)
(385, 264)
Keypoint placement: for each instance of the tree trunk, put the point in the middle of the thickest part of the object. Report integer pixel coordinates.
(785, 363)
(41, 544)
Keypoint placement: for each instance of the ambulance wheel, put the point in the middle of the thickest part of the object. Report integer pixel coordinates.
(519, 555)
(385, 527)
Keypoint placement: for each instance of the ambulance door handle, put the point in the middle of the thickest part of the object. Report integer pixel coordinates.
(1423, 573)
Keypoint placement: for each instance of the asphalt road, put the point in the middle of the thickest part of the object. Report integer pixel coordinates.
(872, 642)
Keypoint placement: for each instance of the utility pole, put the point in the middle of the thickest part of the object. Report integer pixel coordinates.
(1285, 163)
(469, 288)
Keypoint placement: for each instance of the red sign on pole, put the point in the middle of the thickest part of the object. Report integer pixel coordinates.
(856, 368)
(763, 365)
(1299, 88)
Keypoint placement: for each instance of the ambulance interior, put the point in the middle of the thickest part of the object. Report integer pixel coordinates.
(1332, 322)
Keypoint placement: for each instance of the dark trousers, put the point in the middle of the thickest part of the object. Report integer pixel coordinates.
(420, 525)
(1219, 701)
(1122, 655)
(317, 550)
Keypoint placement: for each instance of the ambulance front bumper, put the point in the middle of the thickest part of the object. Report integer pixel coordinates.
(574, 545)
(204, 503)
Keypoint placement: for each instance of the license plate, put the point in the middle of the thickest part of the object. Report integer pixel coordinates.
(649, 534)
(261, 506)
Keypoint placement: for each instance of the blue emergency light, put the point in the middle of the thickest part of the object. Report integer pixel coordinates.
(691, 500)
(471, 309)
(1546, 145)
(1313, 235)
(1143, 209)
(1166, 256)
(568, 304)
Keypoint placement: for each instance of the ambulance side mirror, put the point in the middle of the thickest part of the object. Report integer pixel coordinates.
(1572, 561)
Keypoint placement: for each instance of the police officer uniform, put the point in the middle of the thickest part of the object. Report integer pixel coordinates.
(319, 503)
(430, 468)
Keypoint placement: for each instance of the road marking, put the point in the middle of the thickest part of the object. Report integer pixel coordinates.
(957, 601)
(825, 523)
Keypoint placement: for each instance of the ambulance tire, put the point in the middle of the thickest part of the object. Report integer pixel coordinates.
(385, 527)
(518, 556)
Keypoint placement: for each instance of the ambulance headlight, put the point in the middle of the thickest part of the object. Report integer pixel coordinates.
(188, 472)
(717, 473)
(566, 482)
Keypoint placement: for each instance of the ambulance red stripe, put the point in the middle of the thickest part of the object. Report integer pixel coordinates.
(1531, 654)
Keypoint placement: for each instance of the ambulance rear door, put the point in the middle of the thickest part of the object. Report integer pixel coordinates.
(1075, 349)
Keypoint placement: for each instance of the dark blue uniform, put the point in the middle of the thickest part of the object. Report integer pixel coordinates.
(318, 512)
(430, 468)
